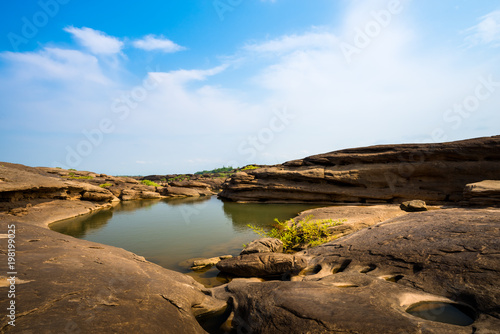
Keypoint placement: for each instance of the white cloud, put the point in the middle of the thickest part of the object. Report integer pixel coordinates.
(151, 42)
(181, 77)
(96, 41)
(392, 91)
(486, 32)
(55, 63)
(287, 43)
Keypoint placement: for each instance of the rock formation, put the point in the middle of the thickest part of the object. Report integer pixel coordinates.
(67, 285)
(367, 282)
(435, 173)
(483, 193)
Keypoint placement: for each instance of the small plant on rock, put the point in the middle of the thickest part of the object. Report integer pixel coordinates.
(250, 167)
(105, 185)
(150, 183)
(295, 235)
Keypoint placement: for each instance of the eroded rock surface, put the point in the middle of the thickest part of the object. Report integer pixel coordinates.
(262, 264)
(484, 193)
(435, 173)
(71, 285)
(263, 245)
(365, 282)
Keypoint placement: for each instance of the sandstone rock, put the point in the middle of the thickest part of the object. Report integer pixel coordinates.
(185, 192)
(483, 193)
(189, 184)
(262, 265)
(264, 245)
(67, 284)
(414, 206)
(98, 196)
(149, 195)
(436, 251)
(435, 173)
(367, 281)
(203, 263)
(343, 304)
(22, 185)
(129, 195)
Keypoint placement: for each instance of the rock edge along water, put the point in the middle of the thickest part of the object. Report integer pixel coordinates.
(435, 173)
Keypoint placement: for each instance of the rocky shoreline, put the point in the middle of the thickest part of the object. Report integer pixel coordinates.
(435, 173)
(388, 261)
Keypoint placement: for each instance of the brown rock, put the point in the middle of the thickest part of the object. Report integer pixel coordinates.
(264, 245)
(185, 192)
(368, 281)
(66, 284)
(262, 264)
(435, 173)
(414, 206)
(483, 193)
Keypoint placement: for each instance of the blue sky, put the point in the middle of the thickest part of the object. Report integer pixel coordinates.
(177, 86)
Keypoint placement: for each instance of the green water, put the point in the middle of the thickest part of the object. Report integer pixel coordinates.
(170, 232)
(454, 314)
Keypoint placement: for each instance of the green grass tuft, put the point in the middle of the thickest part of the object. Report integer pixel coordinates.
(150, 183)
(302, 233)
(250, 167)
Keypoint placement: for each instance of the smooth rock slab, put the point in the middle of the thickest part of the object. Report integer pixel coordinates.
(367, 305)
(262, 264)
(453, 253)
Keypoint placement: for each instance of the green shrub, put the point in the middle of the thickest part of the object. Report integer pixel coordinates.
(249, 167)
(179, 178)
(216, 170)
(150, 183)
(73, 177)
(302, 233)
(105, 185)
(72, 169)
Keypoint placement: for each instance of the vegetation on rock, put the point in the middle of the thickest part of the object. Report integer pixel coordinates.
(250, 167)
(74, 177)
(150, 183)
(216, 170)
(295, 235)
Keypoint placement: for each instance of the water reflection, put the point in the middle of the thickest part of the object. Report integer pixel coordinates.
(78, 227)
(242, 214)
(168, 232)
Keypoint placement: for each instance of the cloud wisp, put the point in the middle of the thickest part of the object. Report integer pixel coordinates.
(486, 32)
(155, 43)
(96, 41)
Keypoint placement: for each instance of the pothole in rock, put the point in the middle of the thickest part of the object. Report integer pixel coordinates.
(345, 285)
(311, 270)
(449, 313)
(392, 278)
